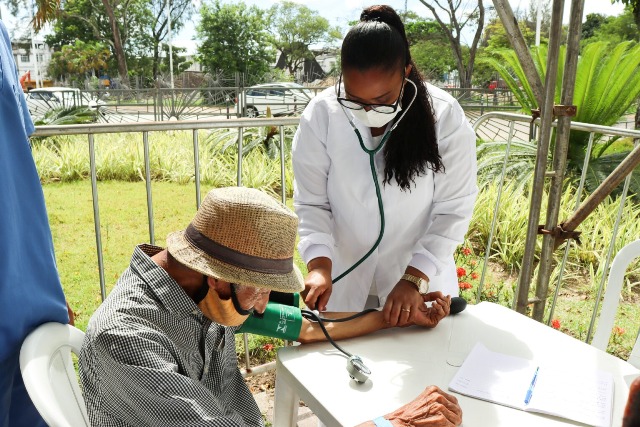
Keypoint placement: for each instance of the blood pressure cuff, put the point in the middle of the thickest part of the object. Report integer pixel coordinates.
(278, 321)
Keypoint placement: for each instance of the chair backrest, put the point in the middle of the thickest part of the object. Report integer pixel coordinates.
(612, 298)
(49, 375)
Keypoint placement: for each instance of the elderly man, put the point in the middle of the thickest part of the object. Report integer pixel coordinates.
(161, 351)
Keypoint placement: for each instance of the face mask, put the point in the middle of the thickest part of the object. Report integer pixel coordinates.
(222, 311)
(373, 118)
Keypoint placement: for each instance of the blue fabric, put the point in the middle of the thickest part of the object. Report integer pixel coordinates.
(382, 422)
(30, 291)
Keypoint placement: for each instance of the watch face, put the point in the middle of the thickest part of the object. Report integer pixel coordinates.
(424, 287)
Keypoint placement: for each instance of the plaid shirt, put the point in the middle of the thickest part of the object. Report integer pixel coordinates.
(151, 358)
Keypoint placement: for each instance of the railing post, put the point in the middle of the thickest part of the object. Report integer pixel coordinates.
(147, 175)
(96, 214)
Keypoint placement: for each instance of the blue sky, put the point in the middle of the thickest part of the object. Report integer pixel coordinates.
(341, 12)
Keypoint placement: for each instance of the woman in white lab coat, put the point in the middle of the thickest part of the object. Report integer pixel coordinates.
(382, 117)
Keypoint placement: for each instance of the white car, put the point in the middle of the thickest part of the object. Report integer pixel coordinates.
(41, 100)
(282, 98)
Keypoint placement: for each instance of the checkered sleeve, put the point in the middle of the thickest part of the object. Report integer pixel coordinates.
(141, 384)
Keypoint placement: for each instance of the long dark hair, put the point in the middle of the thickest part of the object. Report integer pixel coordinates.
(379, 41)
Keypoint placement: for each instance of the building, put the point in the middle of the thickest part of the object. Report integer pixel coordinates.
(32, 59)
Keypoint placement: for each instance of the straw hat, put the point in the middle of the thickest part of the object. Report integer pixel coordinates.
(241, 235)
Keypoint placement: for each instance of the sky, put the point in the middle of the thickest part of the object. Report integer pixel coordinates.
(341, 12)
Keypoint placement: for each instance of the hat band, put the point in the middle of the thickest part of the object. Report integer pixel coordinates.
(235, 258)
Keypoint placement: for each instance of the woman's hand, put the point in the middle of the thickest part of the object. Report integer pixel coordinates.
(317, 284)
(402, 305)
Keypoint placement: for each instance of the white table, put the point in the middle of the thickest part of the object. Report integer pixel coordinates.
(404, 361)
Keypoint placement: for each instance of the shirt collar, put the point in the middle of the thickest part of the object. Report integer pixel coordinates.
(166, 289)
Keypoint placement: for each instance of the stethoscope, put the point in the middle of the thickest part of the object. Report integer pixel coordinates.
(372, 152)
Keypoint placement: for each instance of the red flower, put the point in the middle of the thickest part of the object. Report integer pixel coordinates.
(464, 285)
(474, 275)
(461, 272)
(267, 347)
(617, 330)
(466, 251)
(555, 324)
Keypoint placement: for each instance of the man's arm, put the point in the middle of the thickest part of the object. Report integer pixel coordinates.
(432, 408)
(373, 321)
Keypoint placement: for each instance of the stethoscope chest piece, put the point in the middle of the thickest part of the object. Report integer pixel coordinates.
(357, 369)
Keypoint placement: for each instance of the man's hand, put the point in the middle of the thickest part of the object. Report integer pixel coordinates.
(432, 408)
(72, 315)
(429, 317)
(317, 284)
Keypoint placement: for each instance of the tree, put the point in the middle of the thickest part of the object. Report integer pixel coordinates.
(429, 46)
(79, 60)
(180, 11)
(613, 29)
(458, 19)
(607, 84)
(593, 22)
(294, 28)
(234, 39)
(634, 7)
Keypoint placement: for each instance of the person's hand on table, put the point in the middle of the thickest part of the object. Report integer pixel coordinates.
(432, 408)
(318, 284)
(429, 317)
(405, 306)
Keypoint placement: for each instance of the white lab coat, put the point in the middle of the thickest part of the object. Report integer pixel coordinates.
(335, 199)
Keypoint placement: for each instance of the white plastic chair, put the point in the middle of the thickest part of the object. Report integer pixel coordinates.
(49, 375)
(612, 298)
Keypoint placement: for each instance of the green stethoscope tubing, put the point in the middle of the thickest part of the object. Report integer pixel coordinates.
(374, 174)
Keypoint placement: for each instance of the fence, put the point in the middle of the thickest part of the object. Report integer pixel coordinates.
(508, 127)
(162, 104)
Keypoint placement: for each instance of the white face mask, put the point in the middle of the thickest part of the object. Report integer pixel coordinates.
(373, 118)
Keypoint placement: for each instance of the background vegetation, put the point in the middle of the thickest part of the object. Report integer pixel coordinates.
(62, 164)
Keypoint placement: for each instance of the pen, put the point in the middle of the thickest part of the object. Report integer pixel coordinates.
(533, 384)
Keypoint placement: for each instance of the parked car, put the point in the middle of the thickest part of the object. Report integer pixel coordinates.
(282, 98)
(43, 99)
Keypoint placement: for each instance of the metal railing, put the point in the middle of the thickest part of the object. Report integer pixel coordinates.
(511, 127)
(491, 126)
(144, 129)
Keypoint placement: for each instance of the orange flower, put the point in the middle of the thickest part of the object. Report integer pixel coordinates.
(461, 272)
(473, 262)
(267, 347)
(617, 330)
(474, 275)
(464, 285)
(555, 324)
(466, 251)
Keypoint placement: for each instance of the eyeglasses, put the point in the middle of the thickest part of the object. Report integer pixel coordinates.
(357, 105)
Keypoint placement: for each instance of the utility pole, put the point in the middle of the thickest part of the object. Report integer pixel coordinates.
(170, 45)
(538, 22)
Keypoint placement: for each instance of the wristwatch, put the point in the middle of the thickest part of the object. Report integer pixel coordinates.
(421, 284)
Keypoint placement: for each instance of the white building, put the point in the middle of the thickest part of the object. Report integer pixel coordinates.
(32, 57)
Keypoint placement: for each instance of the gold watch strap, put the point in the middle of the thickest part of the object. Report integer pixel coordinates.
(413, 279)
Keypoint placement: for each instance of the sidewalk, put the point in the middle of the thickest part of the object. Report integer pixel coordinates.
(306, 418)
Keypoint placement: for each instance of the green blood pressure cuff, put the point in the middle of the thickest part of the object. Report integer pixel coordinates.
(278, 320)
